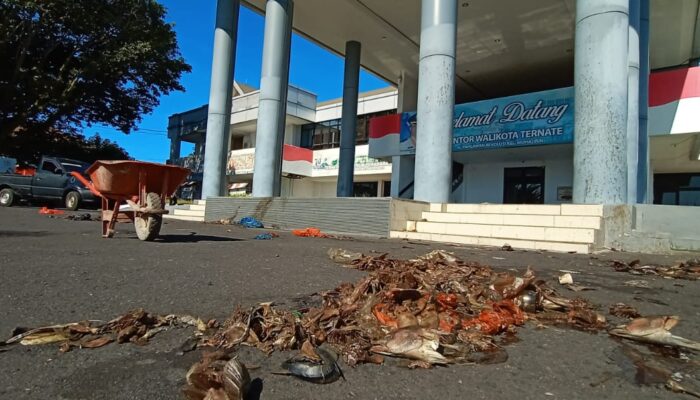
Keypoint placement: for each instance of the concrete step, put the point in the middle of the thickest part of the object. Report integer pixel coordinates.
(521, 209)
(200, 202)
(188, 213)
(583, 248)
(183, 218)
(554, 221)
(506, 232)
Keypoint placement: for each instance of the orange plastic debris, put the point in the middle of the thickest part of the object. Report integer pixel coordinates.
(50, 211)
(503, 315)
(448, 320)
(446, 300)
(25, 171)
(382, 317)
(309, 232)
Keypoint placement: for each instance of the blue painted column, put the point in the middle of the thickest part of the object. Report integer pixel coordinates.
(436, 100)
(348, 127)
(272, 107)
(220, 98)
(633, 87)
(644, 189)
(601, 80)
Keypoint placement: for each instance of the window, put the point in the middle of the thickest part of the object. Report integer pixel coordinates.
(677, 189)
(365, 189)
(49, 167)
(387, 189)
(523, 185)
(326, 134)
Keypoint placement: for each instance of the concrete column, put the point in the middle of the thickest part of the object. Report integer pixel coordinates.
(403, 167)
(402, 176)
(600, 78)
(220, 98)
(272, 107)
(286, 54)
(436, 100)
(175, 145)
(633, 102)
(348, 126)
(407, 93)
(644, 175)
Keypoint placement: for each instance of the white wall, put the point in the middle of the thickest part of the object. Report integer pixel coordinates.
(365, 105)
(292, 135)
(309, 187)
(484, 181)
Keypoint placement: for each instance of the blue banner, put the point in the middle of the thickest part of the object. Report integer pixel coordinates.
(531, 119)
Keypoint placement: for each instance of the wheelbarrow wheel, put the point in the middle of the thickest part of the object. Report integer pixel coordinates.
(148, 226)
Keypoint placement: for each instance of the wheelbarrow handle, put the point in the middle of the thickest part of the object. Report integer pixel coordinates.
(87, 183)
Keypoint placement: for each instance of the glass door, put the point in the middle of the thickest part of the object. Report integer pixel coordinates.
(523, 185)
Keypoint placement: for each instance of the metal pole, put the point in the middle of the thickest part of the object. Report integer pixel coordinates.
(279, 150)
(273, 88)
(643, 172)
(348, 128)
(600, 78)
(220, 98)
(633, 116)
(436, 100)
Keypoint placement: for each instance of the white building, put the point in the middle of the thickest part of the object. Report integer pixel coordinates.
(311, 144)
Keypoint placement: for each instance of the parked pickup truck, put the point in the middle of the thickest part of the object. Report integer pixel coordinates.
(52, 181)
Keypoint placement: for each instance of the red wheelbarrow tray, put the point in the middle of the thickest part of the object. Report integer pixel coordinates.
(120, 179)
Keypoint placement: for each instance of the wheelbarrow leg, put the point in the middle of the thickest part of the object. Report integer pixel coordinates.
(109, 218)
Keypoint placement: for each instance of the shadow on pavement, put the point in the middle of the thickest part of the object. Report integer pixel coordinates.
(194, 238)
(256, 387)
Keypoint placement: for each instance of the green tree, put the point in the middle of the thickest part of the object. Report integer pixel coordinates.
(29, 147)
(66, 63)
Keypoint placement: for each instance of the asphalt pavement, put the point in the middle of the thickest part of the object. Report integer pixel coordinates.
(55, 270)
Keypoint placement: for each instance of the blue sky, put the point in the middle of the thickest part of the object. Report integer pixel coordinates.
(312, 68)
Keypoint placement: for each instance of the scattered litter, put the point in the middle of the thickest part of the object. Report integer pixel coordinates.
(689, 270)
(638, 283)
(250, 222)
(217, 376)
(79, 217)
(623, 310)
(309, 232)
(434, 309)
(343, 256)
(318, 365)
(566, 279)
(507, 247)
(579, 288)
(50, 211)
(654, 330)
(266, 236)
(136, 326)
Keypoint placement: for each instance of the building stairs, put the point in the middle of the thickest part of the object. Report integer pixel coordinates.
(189, 212)
(563, 228)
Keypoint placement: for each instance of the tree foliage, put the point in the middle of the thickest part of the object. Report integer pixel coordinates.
(71, 62)
(29, 147)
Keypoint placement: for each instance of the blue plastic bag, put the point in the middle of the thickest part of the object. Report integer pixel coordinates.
(250, 222)
(264, 236)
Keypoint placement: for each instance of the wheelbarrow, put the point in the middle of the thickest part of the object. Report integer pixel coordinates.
(143, 186)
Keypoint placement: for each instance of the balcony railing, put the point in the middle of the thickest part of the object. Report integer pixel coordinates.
(193, 163)
(296, 161)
